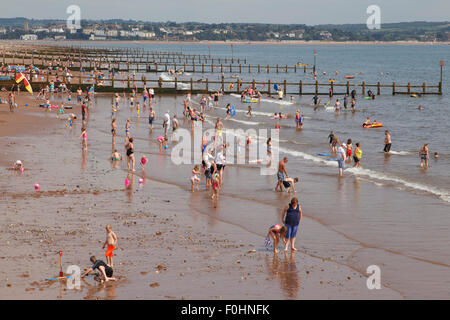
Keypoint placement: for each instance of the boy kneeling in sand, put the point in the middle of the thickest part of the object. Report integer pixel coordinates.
(106, 272)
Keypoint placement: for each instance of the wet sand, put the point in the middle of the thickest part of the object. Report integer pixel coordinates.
(172, 244)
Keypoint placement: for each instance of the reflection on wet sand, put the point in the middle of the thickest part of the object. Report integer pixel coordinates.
(286, 271)
(84, 160)
(107, 289)
(129, 186)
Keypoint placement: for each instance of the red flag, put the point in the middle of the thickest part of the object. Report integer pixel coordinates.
(20, 77)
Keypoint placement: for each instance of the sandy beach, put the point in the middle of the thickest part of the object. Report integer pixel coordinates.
(172, 244)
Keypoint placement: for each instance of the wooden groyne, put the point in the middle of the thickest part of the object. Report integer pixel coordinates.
(113, 55)
(177, 85)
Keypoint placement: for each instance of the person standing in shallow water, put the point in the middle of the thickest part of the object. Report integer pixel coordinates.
(387, 142)
(130, 154)
(424, 156)
(292, 215)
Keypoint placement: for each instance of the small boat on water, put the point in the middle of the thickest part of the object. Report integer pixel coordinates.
(349, 77)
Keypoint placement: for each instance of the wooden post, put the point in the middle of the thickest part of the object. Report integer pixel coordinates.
(378, 88)
(393, 88)
(221, 68)
(267, 68)
(317, 87)
(295, 68)
(332, 87)
(253, 84)
(348, 87)
(424, 88)
(277, 68)
(238, 86)
(223, 84)
(268, 87)
(207, 85)
(176, 83)
(440, 87)
(363, 88)
(285, 89)
(259, 68)
(193, 66)
(286, 68)
(231, 70)
(203, 68)
(300, 89)
(409, 88)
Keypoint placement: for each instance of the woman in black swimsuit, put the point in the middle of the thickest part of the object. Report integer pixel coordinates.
(130, 153)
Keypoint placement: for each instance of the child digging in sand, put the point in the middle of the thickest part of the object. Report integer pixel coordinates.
(105, 270)
(276, 232)
(111, 242)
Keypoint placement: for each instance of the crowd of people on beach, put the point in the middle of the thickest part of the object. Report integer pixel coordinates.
(214, 159)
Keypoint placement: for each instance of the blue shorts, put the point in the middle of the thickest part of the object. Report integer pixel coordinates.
(291, 231)
(341, 164)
